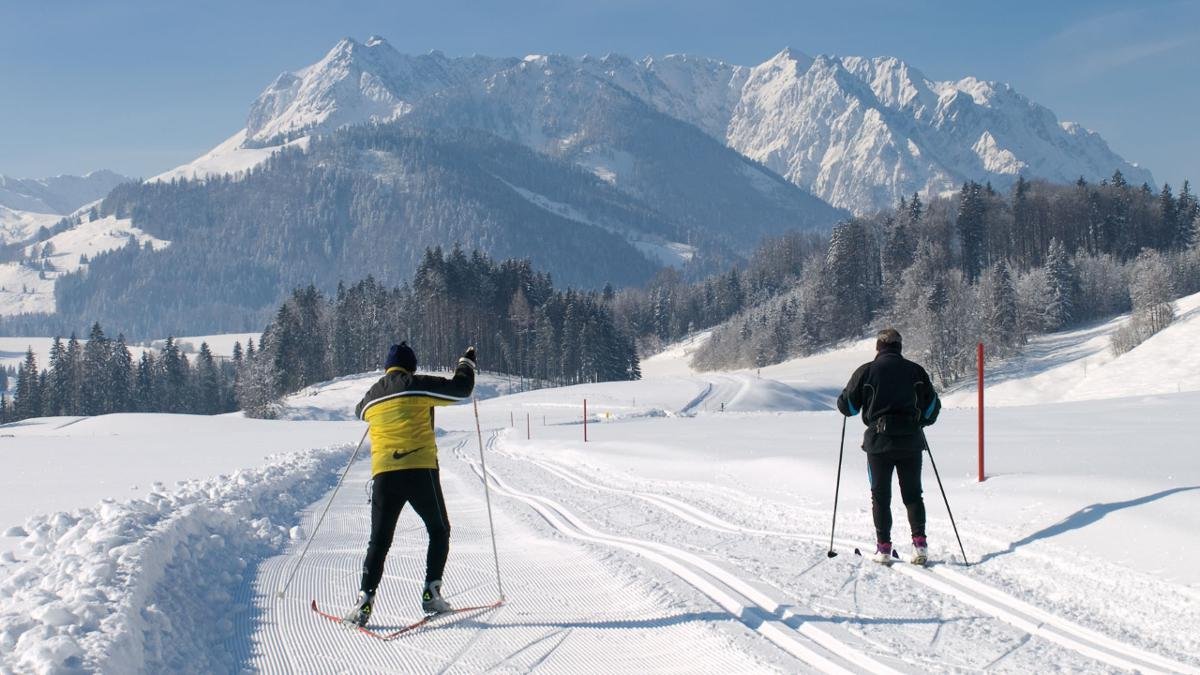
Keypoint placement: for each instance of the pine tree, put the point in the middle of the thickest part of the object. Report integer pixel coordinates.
(1168, 227)
(1185, 218)
(972, 232)
(58, 391)
(28, 399)
(1062, 284)
(73, 372)
(120, 377)
(998, 309)
(898, 249)
(93, 380)
(175, 377)
(147, 397)
(208, 383)
(854, 277)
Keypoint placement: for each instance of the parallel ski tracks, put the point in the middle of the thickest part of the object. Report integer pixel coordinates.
(787, 630)
(993, 602)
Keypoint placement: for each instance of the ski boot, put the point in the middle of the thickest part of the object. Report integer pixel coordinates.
(883, 553)
(431, 599)
(920, 551)
(362, 611)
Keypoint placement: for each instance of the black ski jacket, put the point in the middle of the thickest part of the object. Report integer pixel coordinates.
(896, 399)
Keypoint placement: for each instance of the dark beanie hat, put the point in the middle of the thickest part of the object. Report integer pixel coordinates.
(401, 356)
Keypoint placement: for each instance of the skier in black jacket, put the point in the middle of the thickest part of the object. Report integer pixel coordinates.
(897, 402)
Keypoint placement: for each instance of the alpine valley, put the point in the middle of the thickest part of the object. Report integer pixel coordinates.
(599, 170)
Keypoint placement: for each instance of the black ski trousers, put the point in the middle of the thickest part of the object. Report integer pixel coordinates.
(392, 490)
(907, 464)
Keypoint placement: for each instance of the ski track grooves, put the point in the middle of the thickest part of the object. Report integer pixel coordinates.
(996, 603)
(767, 617)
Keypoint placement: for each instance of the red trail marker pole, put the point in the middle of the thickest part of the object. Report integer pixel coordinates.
(982, 476)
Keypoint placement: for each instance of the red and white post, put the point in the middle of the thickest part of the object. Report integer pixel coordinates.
(982, 475)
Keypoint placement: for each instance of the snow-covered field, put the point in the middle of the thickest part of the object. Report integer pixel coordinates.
(688, 534)
(24, 289)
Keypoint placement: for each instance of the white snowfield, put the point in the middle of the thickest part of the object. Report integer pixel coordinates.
(679, 538)
(25, 288)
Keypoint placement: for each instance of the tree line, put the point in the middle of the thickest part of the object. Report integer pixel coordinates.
(980, 265)
(100, 376)
(512, 314)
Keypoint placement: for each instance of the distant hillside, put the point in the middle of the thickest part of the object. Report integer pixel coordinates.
(58, 195)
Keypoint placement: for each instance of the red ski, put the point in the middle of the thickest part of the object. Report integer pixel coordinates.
(411, 627)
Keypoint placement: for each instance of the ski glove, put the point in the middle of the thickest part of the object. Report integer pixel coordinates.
(469, 357)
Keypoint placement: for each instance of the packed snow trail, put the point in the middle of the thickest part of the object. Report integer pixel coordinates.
(991, 601)
(961, 593)
(567, 609)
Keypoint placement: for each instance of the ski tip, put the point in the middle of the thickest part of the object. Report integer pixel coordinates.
(895, 555)
(831, 554)
(857, 552)
(314, 605)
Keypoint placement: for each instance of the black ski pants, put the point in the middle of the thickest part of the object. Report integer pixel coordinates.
(392, 490)
(907, 465)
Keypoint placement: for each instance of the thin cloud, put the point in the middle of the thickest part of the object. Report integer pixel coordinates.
(1098, 45)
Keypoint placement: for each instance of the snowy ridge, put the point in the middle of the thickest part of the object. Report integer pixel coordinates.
(59, 195)
(18, 226)
(147, 585)
(229, 158)
(857, 132)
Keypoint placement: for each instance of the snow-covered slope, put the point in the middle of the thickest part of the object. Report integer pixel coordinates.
(28, 285)
(678, 538)
(227, 159)
(18, 226)
(1071, 365)
(857, 132)
(59, 194)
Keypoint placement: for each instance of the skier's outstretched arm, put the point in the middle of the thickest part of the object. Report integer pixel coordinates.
(448, 390)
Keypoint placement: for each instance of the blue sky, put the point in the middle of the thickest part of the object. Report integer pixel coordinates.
(141, 86)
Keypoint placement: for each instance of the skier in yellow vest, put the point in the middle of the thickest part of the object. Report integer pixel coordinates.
(404, 464)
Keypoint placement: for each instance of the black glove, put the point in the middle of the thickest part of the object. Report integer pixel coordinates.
(470, 355)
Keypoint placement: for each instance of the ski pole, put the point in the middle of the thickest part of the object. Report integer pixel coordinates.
(939, 480)
(288, 581)
(837, 488)
(487, 495)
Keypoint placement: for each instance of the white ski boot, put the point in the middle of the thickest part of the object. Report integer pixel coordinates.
(920, 551)
(362, 611)
(431, 599)
(883, 553)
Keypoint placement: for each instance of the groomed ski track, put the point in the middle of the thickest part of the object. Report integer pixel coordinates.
(939, 578)
(568, 610)
(575, 603)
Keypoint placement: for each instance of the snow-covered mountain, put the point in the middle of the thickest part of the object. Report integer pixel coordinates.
(57, 195)
(857, 132)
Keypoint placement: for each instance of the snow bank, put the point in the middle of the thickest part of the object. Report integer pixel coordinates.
(148, 585)
(772, 396)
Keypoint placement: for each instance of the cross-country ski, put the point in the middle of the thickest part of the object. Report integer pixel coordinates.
(387, 635)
